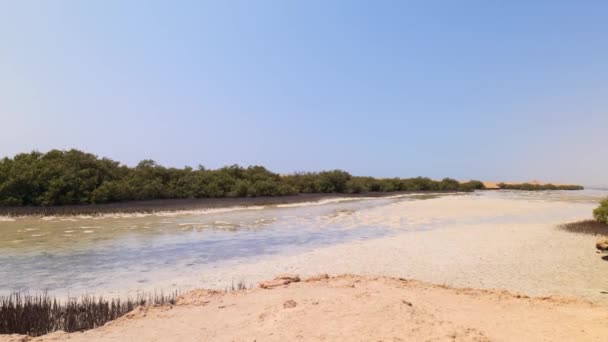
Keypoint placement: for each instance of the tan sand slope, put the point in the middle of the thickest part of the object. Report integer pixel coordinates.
(356, 308)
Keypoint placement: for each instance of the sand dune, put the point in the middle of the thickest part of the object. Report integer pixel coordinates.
(356, 308)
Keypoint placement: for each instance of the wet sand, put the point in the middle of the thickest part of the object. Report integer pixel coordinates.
(173, 205)
(482, 240)
(475, 247)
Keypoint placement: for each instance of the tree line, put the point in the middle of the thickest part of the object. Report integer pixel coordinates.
(538, 187)
(74, 177)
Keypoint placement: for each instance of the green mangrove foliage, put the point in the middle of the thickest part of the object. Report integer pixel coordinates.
(601, 212)
(75, 177)
(537, 187)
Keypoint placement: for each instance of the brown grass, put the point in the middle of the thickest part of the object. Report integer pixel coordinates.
(586, 227)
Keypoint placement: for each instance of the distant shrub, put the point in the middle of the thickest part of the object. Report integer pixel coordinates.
(333, 181)
(357, 185)
(449, 184)
(538, 187)
(601, 212)
(472, 185)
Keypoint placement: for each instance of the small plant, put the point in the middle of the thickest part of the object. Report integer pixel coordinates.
(241, 285)
(601, 212)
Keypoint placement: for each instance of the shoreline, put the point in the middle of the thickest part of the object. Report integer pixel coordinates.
(180, 204)
(476, 276)
(415, 246)
(176, 205)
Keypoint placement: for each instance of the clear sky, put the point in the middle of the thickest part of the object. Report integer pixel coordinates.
(509, 90)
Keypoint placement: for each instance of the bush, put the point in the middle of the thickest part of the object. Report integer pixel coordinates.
(538, 187)
(472, 185)
(601, 212)
(332, 181)
(356, 185)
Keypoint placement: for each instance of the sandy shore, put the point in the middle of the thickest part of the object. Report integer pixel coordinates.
(471, 246)
(464, 251)
(355, 308)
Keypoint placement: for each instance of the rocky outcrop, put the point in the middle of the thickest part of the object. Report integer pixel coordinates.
(602, 244)
(281, 280)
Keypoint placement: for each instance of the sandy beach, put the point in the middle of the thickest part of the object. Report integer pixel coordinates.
(303, 171)
(487, 241)
(355, 308)
(491, 266)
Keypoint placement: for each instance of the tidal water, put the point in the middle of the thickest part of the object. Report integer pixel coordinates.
(108, 254)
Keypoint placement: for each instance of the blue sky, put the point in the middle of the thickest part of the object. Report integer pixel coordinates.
(469, 89)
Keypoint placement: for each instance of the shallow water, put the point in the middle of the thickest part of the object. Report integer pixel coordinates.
(82, 253)
(114, 253)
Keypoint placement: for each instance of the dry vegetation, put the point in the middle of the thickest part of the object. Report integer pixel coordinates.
(37, 315)
(587, 227)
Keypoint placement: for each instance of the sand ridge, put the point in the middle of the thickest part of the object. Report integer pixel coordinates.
(355, 308)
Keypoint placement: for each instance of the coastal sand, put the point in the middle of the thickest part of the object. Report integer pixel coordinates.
(356, 308)
(466, 262)
(470, 247)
